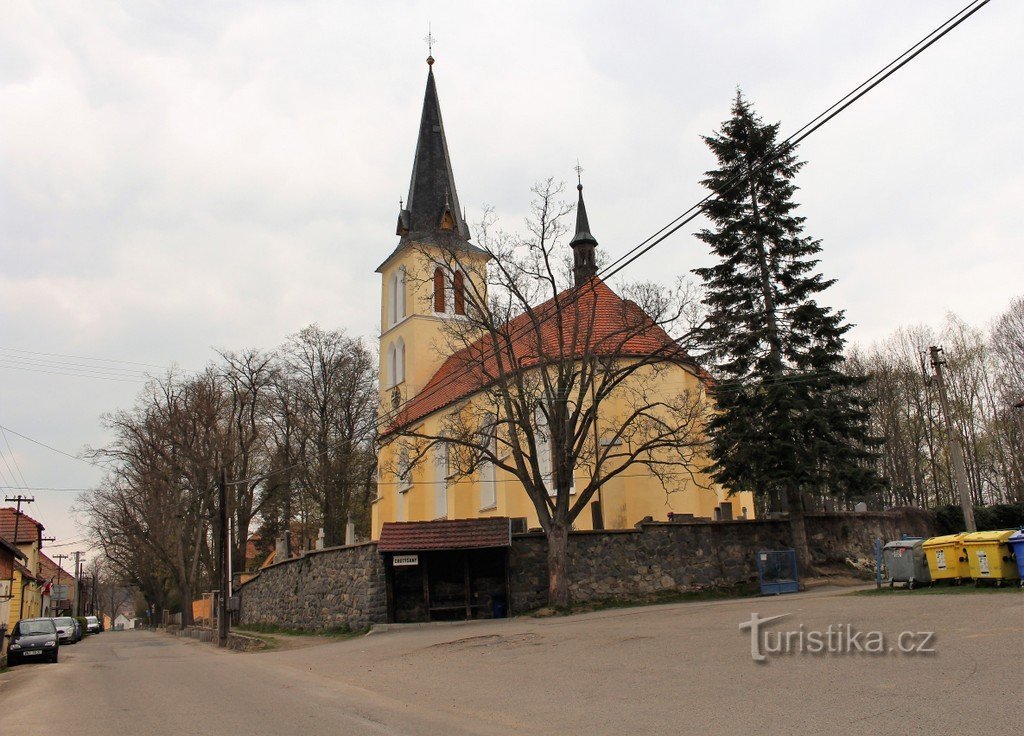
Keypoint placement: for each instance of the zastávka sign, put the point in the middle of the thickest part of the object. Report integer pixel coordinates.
(405, 560)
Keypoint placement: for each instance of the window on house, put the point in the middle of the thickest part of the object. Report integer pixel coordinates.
(441, 475)
(439, 300)
(459, 289)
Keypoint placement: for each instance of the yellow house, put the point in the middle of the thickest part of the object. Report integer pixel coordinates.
(427, 383)
(26, 591)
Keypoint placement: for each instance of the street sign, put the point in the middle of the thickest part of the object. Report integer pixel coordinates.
(405, 560)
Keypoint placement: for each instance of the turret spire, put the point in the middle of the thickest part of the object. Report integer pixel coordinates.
(433, 203)
(583, 243)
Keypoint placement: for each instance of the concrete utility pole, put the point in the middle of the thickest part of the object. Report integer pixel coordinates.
(60, 569)
(222, 560)
(955, 441)
(78, 584)
(19, 499)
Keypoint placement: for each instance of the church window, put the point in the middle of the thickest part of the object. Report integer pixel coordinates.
(396, 362)
(439, 295)
(459, 288)
(441, 478)
(396, 297)
(488, 487)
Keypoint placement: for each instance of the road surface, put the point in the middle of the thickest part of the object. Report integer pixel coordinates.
(674, 669)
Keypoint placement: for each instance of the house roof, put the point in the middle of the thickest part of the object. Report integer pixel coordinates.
(424, 536)
(25, 572)
(48, 569)
(595, 321)
(12, 549)
(29, 530)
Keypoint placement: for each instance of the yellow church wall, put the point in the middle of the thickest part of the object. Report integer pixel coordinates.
(625, 499)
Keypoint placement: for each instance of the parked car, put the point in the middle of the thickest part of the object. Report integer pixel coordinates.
(33, 638)
(66, 628)
(92, 624)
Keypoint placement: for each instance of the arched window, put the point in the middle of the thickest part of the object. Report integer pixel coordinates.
(439, 299)
(393, 299)
(400, 294)
(399, 361)
(396, 297)
(459, 287)
(392, 364)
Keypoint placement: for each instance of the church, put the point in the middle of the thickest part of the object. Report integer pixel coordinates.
(425, 381)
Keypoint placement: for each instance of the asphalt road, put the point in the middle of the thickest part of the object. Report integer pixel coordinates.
(675, 669)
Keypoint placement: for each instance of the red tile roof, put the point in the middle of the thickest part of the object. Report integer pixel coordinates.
(48, 569)
(597, 321)
(29, 530)
(423, 536)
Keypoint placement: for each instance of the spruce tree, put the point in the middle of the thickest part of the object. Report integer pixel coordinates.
(790, 422)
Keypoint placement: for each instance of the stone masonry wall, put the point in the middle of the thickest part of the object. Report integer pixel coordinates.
(323, 589)
(659, 558)
(345, 586)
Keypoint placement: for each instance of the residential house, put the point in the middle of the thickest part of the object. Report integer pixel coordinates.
(10, 556)
(27, 590)
(60, 585)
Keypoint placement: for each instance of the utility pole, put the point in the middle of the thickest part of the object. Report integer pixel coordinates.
(78, 584)
(222, 559)
(956, 448)
(19, 499)
(60, 569)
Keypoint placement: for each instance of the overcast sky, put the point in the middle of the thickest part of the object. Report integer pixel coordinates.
(182, 176)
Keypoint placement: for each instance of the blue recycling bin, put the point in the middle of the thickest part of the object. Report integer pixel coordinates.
(1016, 543)
(776, 571)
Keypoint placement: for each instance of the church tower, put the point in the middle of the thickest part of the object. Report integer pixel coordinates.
(424, 279)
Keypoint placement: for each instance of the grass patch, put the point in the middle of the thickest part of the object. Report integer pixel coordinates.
(334, 633)
(943, 589)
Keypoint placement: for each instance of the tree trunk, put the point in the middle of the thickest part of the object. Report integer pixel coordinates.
(798, 530)
(558, 565)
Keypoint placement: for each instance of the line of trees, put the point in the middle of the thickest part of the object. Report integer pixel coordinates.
(293, 427)
(985, 381)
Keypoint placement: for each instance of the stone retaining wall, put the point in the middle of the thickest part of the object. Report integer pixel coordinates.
(345, 586)
(660, 558)
(331, 588)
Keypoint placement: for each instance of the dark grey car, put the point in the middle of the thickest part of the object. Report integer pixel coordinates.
(33, 639)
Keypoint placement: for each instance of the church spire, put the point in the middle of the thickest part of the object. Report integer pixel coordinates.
(583, 243)
(433, 204)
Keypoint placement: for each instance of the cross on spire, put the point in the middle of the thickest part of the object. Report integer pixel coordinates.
(579, 173)
(429, 38)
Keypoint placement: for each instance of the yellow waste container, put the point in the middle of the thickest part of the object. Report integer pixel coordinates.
(990, 556)
(947, 557)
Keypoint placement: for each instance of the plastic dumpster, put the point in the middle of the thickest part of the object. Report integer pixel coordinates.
(990, 556)
(905, 562)
(1016, 543)
(947, 558)
(776, 571)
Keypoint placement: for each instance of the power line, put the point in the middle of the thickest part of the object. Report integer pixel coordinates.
(82, 357)
(52, 449)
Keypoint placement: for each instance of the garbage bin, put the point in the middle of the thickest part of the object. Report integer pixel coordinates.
(947, 558)
(905, 562)
(1016, 543)
(990, 556)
